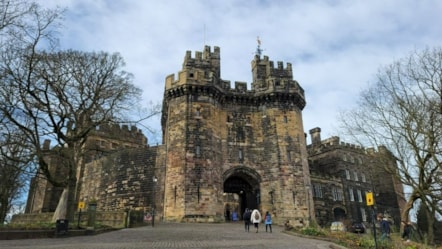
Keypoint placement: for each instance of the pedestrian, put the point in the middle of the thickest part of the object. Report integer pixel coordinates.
(234, 216)
(406, 234)
(246, 217)
(268, 221)
(385, 227)
(255, 218)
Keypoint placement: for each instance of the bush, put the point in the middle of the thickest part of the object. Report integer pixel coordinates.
(312, 231)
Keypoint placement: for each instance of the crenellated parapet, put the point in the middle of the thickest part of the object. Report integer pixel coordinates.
(119, 132)
(335, 142)
(267, 77)
(272, 85)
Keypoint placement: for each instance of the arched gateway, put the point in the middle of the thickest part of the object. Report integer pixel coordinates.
(241, 190)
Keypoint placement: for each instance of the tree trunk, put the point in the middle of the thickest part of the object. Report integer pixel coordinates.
(66, 205)
(3, 210)
(71, 204)
(430, 229)
(405, 216)
(60, 211)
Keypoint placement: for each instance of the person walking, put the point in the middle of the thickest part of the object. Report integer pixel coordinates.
(385, 227)
(406, 234)
(268, 221)
(234, 216)
(246, 217)
(255, 218)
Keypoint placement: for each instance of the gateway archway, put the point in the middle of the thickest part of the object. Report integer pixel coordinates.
(241, 191)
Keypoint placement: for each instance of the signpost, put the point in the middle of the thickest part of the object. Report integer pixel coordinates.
(370, 202)
(80, 207)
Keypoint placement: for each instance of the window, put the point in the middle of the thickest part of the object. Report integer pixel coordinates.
(347, 174)
(198, 150)
(352, 159)
(240, 134)
(355, 174)
(240, 155)
(289, 156)
(363, 214)
(363, 177)
(317, 190)
(337, 193)
(359, 195)
(350, 194)
(285, 119)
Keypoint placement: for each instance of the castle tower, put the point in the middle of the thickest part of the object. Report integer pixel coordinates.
(230, 149)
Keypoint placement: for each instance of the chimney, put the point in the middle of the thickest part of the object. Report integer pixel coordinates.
(315, 134)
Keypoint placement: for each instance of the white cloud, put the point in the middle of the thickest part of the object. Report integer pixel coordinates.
(335, 46)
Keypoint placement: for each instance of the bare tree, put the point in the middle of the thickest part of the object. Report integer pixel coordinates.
(402, 111)
(15, 168)
(64, 96)
(23, 24)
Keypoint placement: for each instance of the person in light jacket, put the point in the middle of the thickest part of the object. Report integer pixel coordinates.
(268, 221)
(255, 218)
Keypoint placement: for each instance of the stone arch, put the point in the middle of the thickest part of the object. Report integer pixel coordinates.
(241, 186)
(339, 213)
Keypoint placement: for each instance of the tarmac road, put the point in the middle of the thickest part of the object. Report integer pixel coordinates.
(177, 235)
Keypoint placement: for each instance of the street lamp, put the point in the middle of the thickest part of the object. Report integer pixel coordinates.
(154, 180)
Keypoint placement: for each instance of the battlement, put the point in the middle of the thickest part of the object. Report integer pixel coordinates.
(121, 132)
(200, 57)
(201, 74)
(270, 71)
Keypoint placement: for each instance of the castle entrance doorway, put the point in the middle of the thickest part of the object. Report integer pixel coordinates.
(241, 191)
(339, 214)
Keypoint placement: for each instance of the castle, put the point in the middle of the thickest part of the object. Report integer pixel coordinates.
(226, 149)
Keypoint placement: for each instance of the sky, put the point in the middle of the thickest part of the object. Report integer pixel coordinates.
(335, 47)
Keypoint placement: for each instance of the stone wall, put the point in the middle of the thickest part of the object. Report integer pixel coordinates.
(116, 219)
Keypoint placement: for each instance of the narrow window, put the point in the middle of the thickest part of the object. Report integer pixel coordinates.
(363, 177)
(337, 194)
(240, 154)
(363, 214)
(355, 174)
(285, 119)
(317, 190)
(350, 193)
(347, 174)
(197, 150)
(359, 195)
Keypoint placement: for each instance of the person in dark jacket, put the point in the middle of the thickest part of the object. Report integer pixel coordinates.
(406, 234)
(385, 227)
(246, 217)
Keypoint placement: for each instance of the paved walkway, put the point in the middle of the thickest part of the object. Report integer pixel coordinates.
(172, 235)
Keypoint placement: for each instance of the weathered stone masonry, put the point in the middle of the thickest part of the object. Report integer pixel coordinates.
(222, 141)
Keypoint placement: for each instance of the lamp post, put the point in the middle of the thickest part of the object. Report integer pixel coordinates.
(154, 180)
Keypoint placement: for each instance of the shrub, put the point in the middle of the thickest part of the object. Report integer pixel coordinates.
(312, 231)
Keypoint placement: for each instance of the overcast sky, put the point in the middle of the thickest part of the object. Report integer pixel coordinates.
(335, 47)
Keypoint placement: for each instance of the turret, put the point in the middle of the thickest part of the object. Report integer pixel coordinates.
(204, 68)
(268, 78)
